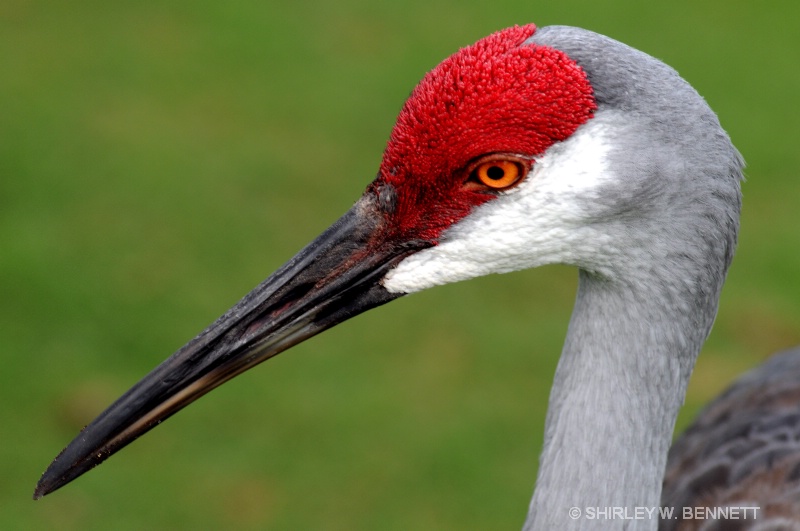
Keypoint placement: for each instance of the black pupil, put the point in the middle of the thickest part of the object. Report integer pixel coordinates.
(495, 173)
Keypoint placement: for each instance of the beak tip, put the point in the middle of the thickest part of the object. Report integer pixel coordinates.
(51, 481)
(43, 488)
(56, 476)
(47, 484)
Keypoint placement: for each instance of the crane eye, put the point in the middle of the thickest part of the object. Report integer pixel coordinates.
(498, 173)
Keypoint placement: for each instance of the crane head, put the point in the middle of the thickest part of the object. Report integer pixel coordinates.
(484, 172)
(473, 126)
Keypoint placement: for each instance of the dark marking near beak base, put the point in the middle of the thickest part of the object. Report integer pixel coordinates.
(387, 198)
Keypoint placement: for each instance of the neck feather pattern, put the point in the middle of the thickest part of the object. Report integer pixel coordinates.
(617, 390)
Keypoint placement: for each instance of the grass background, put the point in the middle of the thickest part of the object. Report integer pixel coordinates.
(158, 159)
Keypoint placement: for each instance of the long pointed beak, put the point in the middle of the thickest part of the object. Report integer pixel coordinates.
(335, 277)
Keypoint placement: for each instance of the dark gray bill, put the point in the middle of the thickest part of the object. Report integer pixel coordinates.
(335, 277)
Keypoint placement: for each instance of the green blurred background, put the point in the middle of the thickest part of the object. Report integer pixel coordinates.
(159, 159)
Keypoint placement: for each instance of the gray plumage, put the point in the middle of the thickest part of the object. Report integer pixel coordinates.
(671, 216)
(743, 450)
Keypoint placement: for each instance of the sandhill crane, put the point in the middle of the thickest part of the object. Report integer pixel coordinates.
(532, 147)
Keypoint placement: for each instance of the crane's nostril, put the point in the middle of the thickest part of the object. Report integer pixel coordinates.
(387, 198)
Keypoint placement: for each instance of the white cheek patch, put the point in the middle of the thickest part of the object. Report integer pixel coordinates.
(543, 220)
